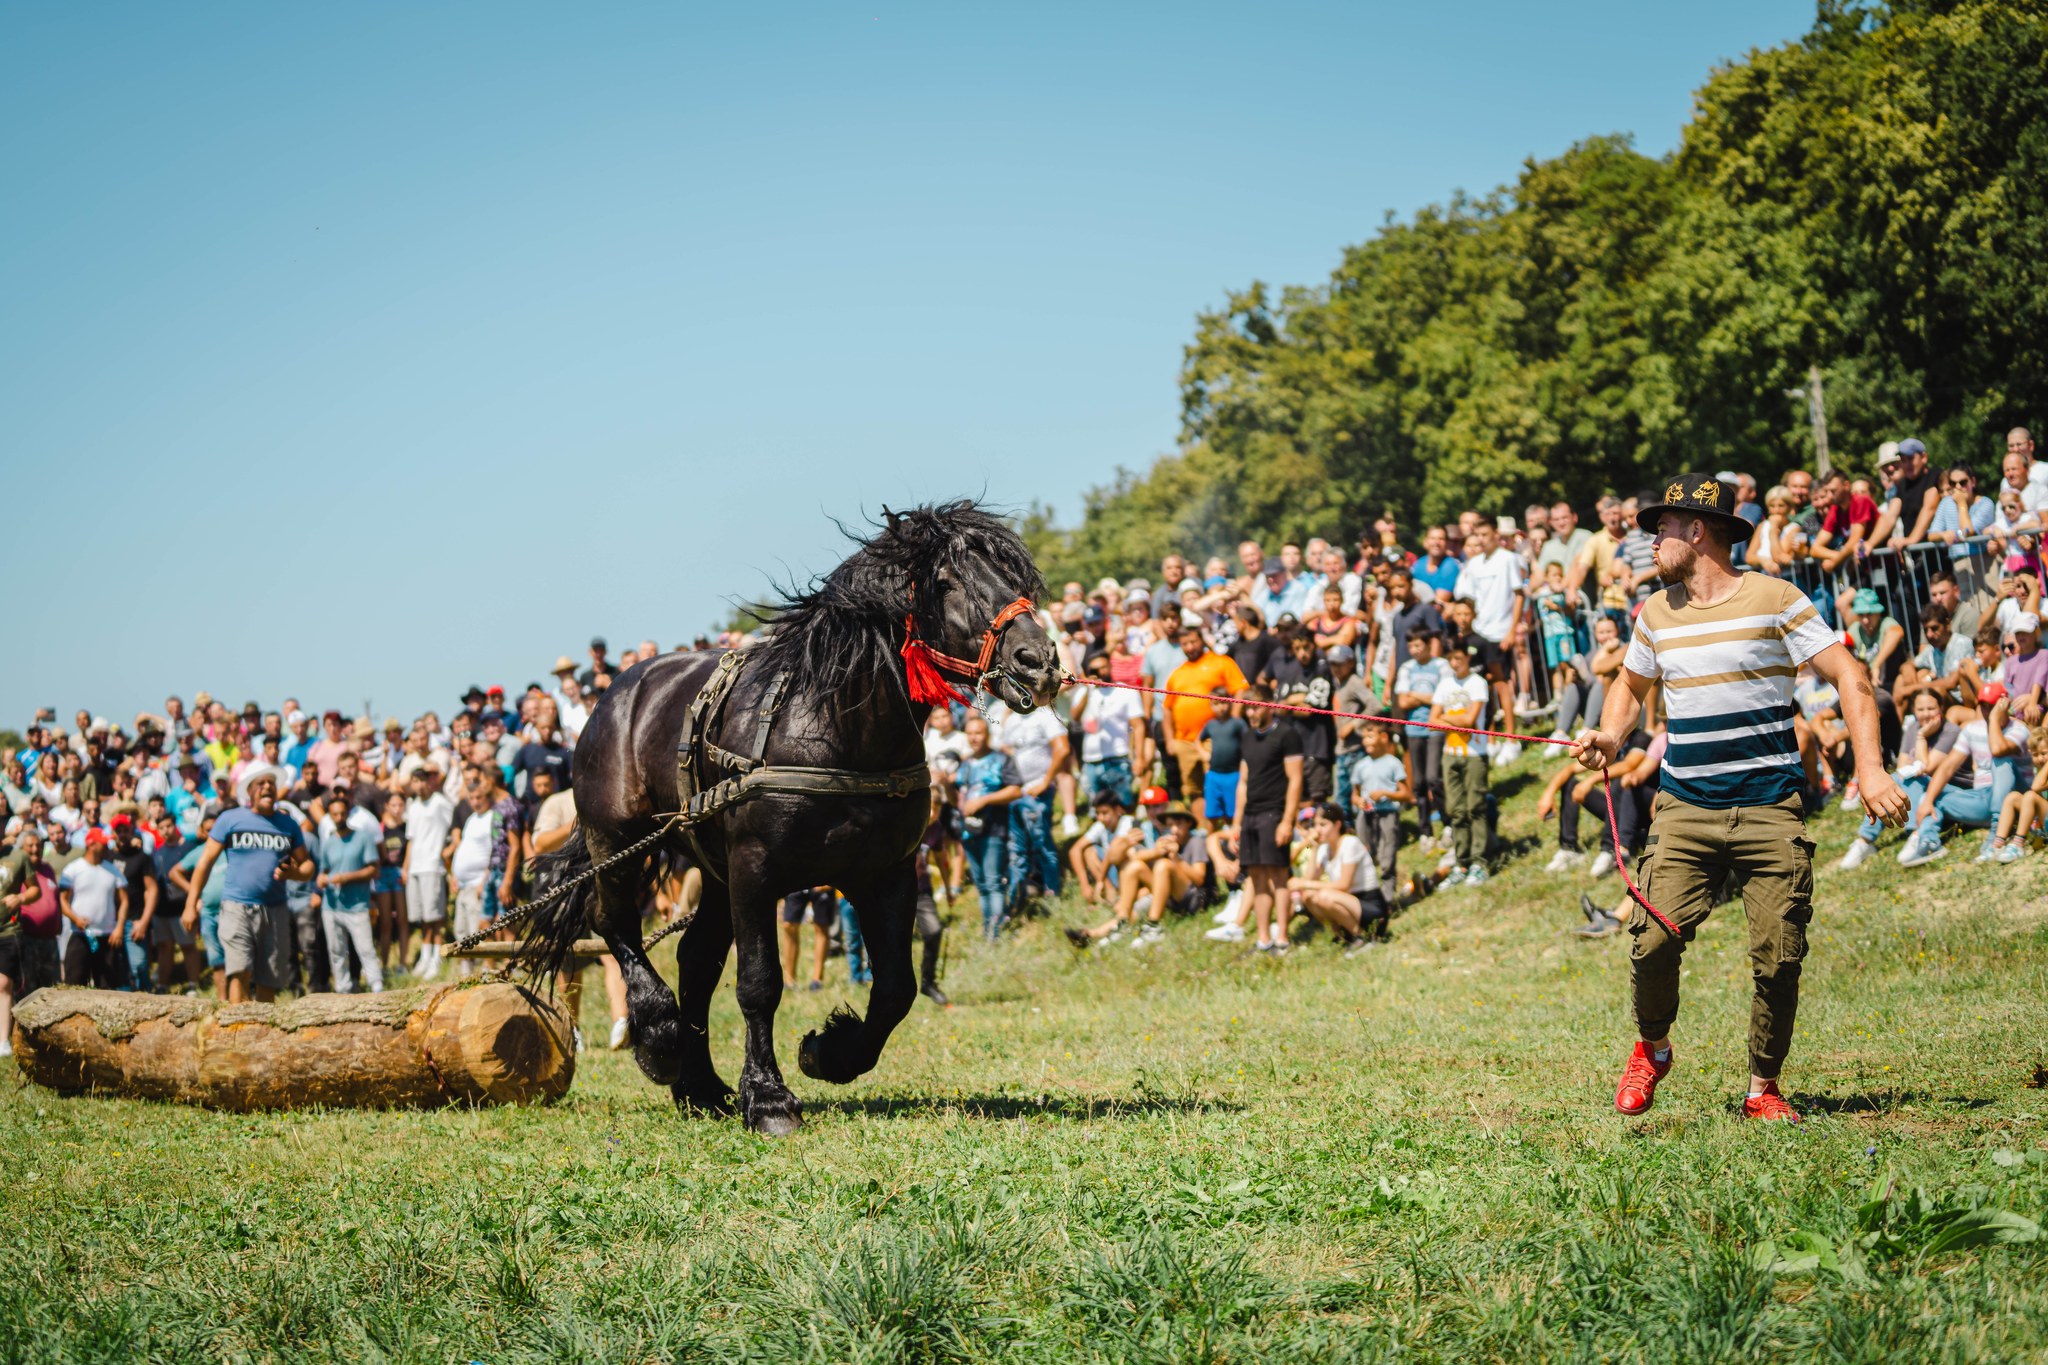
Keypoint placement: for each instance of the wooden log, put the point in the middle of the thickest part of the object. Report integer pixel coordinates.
(428, 1046)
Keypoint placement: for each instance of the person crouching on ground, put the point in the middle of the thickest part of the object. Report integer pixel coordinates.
(1095, 856)
(1268, 795)
(1173, 868)
(1727, 646)
(1344, 890)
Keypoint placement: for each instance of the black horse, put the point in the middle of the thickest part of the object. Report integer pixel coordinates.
(854, 657)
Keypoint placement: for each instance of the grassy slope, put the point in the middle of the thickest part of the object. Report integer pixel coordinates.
(1186, 1154)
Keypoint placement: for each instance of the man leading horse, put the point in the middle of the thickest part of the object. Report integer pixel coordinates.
(1725, 647)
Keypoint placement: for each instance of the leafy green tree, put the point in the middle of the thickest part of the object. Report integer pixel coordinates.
(1869, 199)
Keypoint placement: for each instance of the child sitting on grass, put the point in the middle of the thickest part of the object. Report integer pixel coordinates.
(2022, 813)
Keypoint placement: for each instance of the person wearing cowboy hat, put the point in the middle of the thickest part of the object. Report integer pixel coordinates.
(1725, 648)
(264, 848)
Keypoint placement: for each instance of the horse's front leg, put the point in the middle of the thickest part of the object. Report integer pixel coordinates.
(650, 1004)
(849, 1046)
(765, 1100)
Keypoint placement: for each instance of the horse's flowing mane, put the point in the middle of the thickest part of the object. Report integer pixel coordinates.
(843, 632)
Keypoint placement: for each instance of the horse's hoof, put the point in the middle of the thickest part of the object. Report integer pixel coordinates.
(809, 1059)
(776, 1122)
(657, 1065)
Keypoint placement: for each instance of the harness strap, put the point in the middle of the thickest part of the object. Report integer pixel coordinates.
(959, 667)
(793, 781)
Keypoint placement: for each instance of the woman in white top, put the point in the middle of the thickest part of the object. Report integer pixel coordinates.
(1344, 892)
(1776, 542)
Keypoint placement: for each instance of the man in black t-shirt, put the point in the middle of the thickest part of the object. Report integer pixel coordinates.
(1915, 493)
(546, 752)
(1299, 677)
(140, 870)
(1268, 797)
(1255, 643)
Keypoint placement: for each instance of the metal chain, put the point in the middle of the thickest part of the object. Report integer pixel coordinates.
(525, 912)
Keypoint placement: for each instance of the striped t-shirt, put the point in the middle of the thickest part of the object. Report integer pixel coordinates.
(1727, 672)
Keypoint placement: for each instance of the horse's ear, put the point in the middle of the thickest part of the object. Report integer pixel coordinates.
(891, 518)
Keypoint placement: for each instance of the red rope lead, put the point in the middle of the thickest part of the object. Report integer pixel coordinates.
(1607, 781)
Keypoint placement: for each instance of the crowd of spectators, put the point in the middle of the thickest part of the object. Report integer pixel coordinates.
(252, 850)
(1485, 622)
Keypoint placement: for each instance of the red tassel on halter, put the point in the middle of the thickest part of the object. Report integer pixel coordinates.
(928, 687)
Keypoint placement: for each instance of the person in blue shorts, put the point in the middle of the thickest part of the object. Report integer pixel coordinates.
(1222, 742)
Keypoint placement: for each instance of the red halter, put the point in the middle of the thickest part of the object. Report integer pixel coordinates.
(923, 664)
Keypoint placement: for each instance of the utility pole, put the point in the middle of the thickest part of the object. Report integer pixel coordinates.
(1816, 411)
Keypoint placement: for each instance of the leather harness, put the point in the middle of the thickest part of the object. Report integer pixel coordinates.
(697, 757)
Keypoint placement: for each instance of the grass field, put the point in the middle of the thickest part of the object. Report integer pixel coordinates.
(1186, 1154)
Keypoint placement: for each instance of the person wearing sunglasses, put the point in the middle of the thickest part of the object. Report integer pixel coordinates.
(1962, 513)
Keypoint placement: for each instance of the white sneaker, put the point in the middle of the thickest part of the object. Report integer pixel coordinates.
(2012, 853)
(1070, 828)
(1917, 853)
(1559, 737)
(1566, 860)
(576, 1036)
(1231, 904)
(1603, 863)
(1455, 877)
(1226, 933)
(1448, 862)
(621, 1028)
(1852, 797)
(1148, 936)
(6, 1047)
(1859, 853)
(1507, 751)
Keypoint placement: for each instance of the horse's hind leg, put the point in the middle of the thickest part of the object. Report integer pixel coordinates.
(650, 1005)
(848, 1047)
(765, 1099)
(700, 961)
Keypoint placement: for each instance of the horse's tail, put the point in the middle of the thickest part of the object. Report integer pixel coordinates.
(553, 928)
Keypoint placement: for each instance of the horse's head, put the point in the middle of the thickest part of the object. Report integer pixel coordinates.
(972, 584)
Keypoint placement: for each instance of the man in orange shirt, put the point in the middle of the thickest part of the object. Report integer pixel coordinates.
(1201, 675)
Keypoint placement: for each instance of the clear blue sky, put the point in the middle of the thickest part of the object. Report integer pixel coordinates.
(365, 351)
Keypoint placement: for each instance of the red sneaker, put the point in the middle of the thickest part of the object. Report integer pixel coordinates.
(1639, 1081)
(1769, 1105)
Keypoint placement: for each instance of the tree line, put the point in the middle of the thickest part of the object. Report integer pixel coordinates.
(1868, 199)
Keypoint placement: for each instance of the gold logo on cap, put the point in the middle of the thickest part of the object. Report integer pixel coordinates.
(1708, 492)
(1675, 493)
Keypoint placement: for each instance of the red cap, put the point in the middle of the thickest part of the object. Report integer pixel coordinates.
(494, 691)
(1152, 796)
(1990, 694)
(124, 818)
(95, 835)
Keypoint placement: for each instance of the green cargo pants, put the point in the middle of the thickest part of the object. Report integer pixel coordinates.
(1691, 850)
(1465, 808)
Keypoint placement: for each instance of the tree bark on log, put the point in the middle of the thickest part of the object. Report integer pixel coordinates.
(418, 1048)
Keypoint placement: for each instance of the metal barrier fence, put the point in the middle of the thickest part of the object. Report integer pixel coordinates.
(1903, 579)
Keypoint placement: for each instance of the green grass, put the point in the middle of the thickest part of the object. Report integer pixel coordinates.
(1182, 1155)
